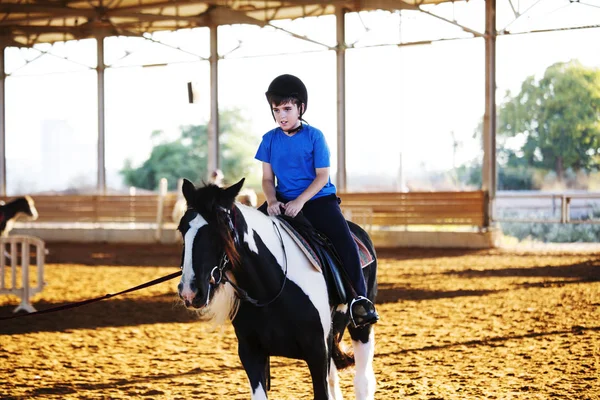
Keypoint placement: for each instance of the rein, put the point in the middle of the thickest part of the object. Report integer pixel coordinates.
(94, 300)
(222, 268)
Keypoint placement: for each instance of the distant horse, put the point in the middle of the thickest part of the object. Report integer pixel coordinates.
(10, 211)
(239, 264)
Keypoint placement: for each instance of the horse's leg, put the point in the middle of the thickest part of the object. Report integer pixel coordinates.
(363, 342)
(334, 383)
(318, 363)
(339, 322)
(255, 364)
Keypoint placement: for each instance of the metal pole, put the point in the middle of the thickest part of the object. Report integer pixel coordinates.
(162, 193)
(101, 137)
(489, 119)
(2, 123)
(340, 52)
(213, 127)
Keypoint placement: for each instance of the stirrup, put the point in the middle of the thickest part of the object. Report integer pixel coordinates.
(365, 313)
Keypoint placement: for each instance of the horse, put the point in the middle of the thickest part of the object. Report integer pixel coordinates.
(10, 211)
(239, 264)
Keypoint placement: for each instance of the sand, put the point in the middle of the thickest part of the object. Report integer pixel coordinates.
(455, 324)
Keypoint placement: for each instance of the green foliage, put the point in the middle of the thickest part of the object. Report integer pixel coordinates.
(559, 117)
(469, 174)
(187, 156)
(515, 178)
(550, 232)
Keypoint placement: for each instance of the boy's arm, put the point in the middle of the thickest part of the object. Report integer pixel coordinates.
(292, 208)
(268, 187)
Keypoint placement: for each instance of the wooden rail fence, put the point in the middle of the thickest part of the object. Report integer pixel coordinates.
(414, 208)
(417, 208)
(109, 208)
(383, 208)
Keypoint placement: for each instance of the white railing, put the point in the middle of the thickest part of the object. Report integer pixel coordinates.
(22, 244)
(559, 206)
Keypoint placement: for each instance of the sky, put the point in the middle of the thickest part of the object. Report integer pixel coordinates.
(418, 104)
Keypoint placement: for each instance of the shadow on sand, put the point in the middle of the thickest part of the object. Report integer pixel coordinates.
(498, 341)
(108, 313)
(588, 271)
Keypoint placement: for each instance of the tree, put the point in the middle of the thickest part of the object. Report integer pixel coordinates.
(558, 118)
(187, 156)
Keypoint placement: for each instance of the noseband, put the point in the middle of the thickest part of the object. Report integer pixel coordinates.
(218, 275)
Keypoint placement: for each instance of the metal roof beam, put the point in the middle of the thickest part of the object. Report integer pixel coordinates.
(463, 27)
(35, 29)
(152, 17)
(53, 11)
(160, 4)
(388, 5)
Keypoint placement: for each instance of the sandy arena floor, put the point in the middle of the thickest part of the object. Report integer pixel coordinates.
(454, 325)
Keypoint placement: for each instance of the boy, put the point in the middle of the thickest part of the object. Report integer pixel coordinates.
(298, 156)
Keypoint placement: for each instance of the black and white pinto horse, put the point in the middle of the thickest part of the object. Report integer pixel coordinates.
(13, 209)
(239, 264)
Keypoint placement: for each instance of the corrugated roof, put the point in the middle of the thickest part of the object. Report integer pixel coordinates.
(27, 22)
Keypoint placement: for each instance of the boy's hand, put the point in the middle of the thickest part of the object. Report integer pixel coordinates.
(275, 208)
(293, 208)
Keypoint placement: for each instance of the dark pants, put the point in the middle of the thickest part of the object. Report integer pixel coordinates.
(326, 216)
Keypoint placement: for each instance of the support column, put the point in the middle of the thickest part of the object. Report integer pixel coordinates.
(489, 120)
(101, 188)
(340, 17)
(2, 122)
(213, 126)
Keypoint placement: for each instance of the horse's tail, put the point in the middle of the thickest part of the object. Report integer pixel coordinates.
(341, 358)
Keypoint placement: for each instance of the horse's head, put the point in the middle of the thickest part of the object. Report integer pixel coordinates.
(22, 206)
(208, 241)
(30, 209)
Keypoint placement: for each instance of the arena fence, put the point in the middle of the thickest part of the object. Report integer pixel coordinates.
(394, 219)
(380, 208)
(545, 207)
(151, 208)
(15, 262)
(417, 208)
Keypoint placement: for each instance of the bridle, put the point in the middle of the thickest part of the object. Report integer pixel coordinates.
(218, 275)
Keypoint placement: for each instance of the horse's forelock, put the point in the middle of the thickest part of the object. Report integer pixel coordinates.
(219, 220)
(206, 202)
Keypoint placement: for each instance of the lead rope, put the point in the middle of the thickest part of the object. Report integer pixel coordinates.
(106, 296)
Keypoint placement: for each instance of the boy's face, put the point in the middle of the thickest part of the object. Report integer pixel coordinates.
(287, 115)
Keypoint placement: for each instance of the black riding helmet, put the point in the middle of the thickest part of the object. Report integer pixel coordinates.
(286, 88)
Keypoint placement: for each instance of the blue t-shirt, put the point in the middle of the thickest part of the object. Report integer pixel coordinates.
(294, 160)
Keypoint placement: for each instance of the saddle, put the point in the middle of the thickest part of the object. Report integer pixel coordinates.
(323, 256)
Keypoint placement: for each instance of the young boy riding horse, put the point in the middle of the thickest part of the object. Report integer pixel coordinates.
(295, 155)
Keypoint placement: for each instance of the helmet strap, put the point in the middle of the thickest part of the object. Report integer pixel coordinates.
(294, 130)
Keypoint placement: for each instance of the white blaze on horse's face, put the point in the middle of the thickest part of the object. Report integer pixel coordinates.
(32, 209)
(187, 291)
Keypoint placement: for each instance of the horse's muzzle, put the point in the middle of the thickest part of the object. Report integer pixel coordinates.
(195, 303)
(191, 299)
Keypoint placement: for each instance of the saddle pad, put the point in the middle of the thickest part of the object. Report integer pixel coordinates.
(365, 257)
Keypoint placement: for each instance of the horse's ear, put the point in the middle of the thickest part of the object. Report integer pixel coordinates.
(228, 195)
(188, 189)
